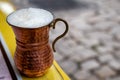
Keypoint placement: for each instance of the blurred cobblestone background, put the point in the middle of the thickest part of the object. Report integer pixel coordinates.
(91, 49)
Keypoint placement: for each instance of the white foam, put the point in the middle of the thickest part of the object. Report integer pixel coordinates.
(30, 18)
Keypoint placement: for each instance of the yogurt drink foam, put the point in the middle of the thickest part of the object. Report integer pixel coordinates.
(30, 18)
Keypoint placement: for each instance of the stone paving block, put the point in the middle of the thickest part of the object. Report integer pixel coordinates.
(80, 54)
(114, 64)
(99, 35)
(69, 43)
(104, 49)
(104, 25)
(87, 14)
(114, 78)
(117, 37)
(116, 45)
(80, 24)
(95, 19)
(76, 56)
(66, 47)
(108, 14)
(76, 34)
(117, 19)
(105, 72)
(93, 78)
(90, 65)
(58, 57)
(68, 66)
(112, 44)
(106, 58)
(82, 75)
(21, 3)
(79, 48)
(89, 42)
(115, 30)
(87, 54)
(64, 51)
(117, 54)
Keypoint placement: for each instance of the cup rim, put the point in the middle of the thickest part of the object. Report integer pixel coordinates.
(30, 28)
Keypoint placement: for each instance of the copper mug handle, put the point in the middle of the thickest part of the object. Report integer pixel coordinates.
(62, 35)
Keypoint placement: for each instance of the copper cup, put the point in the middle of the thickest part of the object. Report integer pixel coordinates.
(33, 55)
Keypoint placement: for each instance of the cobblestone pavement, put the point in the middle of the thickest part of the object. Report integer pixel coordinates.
(91, 49)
